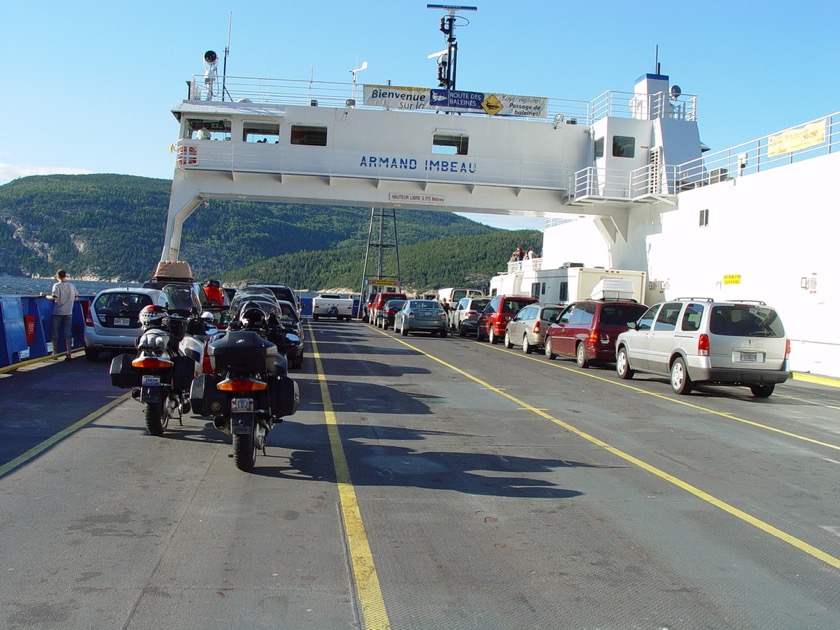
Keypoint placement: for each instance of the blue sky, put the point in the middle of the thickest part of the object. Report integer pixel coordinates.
(87, 87)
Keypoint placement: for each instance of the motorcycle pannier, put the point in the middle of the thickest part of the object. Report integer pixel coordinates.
(284, 395)
(205, 399)
(122, 374)
(182, 373)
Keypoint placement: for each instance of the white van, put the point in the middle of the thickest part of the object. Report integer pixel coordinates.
(453, 295)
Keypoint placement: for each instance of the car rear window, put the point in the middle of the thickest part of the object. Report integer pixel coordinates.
(514, 306)
(425, 304)
(114, 303)
(745, 320)
(621, 314)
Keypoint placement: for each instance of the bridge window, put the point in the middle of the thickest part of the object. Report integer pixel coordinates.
(312, 136)
(261, 132)
(450, 144)
(624, 146)
(207, 129)
(599, 147)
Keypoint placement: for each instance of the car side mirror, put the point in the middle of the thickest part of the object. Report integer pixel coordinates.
(631, 325)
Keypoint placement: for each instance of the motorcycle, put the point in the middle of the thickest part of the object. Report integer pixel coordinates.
(249, 391)
(161, 373)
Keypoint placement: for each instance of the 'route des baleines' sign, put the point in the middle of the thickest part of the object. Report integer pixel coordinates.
(493, 104)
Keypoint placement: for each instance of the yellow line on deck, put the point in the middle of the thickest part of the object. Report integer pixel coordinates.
(35, 450)
(374, 615)
(819, 554)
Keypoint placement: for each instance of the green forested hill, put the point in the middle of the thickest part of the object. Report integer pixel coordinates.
(112, 226)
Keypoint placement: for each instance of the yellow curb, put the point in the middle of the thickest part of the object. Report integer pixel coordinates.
(28, 362)
(817, 380)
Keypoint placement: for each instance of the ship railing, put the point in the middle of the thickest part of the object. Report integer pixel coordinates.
(646, 184)
(817, 137)
(254, 157)
(342, 94)
(529, 264)
(644, 107)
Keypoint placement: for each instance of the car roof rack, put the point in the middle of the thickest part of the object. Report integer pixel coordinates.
(696, 299)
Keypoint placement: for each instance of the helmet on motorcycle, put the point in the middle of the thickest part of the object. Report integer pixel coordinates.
(252, 316)
(153, 315)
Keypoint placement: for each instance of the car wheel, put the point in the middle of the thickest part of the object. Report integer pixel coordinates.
(404, 330)
(491, 336)
(580, 356)
(680, 381)
(478, 333)
(549, 352)
(443, 333)
(314, 318)
(461, 331)
(622, 364)
(762, 390)
(527, 348)
(508, 342)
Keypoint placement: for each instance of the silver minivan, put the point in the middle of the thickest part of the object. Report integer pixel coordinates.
(700, 340)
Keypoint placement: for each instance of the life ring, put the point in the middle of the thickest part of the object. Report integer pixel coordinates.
(187, 155)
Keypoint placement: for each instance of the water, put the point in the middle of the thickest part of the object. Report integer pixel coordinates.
(14, 285)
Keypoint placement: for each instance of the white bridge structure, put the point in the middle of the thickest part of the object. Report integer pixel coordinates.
(308, 142)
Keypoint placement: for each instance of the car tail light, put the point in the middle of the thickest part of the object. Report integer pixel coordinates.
(787, 349)
(536, 328)
(592, 338)
(151, 363)
(242, 385)
(703, 345)
(411, 313)
(88, 316)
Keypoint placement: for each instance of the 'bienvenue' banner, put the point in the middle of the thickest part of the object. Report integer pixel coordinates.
(409, 98)
(795, 139)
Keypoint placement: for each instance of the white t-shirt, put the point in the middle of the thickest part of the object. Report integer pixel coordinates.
(64, 294)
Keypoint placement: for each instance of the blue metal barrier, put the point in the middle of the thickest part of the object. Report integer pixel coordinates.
(26, 327)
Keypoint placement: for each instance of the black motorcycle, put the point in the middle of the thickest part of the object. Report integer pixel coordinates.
(249, 391)
(160, 374)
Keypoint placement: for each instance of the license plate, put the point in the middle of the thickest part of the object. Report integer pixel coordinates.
(242, 405)
(749, 357)
(427, 314)
(122, 321)
(150, 380)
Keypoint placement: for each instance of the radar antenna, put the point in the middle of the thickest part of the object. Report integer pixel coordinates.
(448, 59)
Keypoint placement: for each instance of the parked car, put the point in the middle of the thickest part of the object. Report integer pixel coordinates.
(378, 302)
(700, 340)
(385, 315)
(493, 321)
(529, 326)
(463, 318)
(421, 315)
(112, 324)
(586, 331)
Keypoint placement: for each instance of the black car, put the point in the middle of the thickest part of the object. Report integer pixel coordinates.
(385, 315)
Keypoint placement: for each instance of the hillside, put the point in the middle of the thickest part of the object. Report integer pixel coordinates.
(111, 227)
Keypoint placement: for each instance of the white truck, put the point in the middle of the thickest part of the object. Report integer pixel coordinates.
(332, 305)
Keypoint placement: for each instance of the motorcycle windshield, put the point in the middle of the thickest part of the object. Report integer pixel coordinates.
(182, 299)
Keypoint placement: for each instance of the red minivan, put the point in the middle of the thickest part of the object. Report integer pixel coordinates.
(493, 321)
(586, 331)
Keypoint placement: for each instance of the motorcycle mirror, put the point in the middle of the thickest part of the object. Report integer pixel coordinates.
(207, 316)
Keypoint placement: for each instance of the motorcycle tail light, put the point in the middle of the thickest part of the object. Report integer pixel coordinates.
(238, 385)
(151, 363)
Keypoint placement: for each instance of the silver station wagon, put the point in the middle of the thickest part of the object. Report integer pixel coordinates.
(699, 340)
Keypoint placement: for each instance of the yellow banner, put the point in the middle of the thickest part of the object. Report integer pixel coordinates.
(732, 278)
(794, 139)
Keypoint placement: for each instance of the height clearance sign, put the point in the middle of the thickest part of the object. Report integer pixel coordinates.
(493, 104)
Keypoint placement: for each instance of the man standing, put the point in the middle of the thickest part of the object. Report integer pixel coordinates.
(63, 295)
